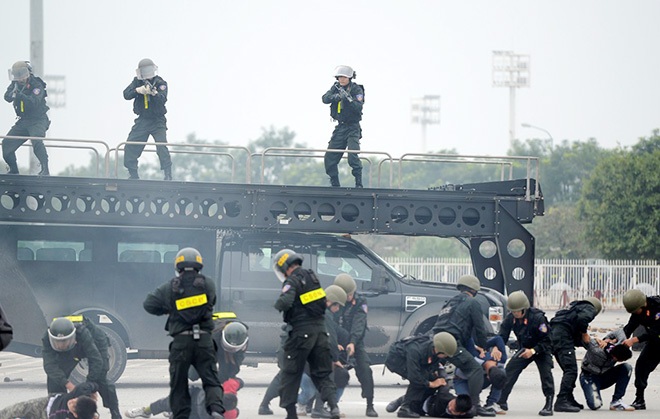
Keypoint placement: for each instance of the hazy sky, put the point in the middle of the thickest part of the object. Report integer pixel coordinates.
(234, 67)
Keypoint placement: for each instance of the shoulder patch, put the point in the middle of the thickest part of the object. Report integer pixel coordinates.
(360, 98)
(657, 316)
(36, 91)
(286, 288)
(543, 328)
(162, 87)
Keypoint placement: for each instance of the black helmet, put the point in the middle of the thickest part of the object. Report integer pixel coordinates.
(234, 337)
(283, 260)
(188, 259)
(62, 334)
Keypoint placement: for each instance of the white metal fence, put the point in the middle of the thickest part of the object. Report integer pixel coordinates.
(556, 282)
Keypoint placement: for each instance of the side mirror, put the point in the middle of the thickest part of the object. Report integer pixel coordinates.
(379, 280)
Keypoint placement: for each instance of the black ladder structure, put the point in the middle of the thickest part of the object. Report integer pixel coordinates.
(487, 217)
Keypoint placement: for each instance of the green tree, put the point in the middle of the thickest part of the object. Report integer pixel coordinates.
(560, 234)
(621, 203)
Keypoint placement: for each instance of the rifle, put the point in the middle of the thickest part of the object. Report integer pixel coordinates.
(343, 93)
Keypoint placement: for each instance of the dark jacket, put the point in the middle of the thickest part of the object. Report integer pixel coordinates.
(58, 403)
(575, 319)
(598, 360)
(85, 348)
(294, 311)
(148, 105)
(649, 318)
(163, 301)
(465, 320)
(343, 110)
(29, 99)
(532, 331)
(354, 319)
(421, 363)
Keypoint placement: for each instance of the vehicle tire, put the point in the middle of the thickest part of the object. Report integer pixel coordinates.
(117, 361)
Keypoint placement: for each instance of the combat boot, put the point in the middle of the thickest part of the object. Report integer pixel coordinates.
(115, 414)
(44, 172)
(394, 405)
(574, 402)
(639, 403)
(168, 173)
(133, 174)
(358, 181)
(563, 405)
(334, 182)
(547, 409)
(264, 409)
(405, 412)
(371, 412)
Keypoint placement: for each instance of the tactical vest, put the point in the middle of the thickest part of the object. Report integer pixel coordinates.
(311, 297)
(445, 316)
(190, 299)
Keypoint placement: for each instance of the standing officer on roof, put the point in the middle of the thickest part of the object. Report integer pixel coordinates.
(644, 311)
(302, 303)
(149, 94)
(346, 100)
(28, 94)
(188, 300)
(354, 319)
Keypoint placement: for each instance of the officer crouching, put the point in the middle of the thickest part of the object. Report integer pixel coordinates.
(188, 300)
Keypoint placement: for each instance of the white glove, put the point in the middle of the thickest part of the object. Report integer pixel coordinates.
(153, 91)
(143, 90)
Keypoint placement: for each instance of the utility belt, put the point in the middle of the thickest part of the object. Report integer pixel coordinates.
(347, 123)
(196, 332)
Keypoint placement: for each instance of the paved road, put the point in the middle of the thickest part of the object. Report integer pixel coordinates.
(146, 380)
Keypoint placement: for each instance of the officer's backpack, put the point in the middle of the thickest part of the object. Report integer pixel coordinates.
(396, 356)
(444, 322)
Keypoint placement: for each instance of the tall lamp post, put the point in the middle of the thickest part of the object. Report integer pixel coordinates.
(511, 70)
(425, 111)
(552, 140)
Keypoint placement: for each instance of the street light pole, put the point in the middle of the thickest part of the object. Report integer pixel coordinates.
(552, 140)
(511, 70)
(425, 111)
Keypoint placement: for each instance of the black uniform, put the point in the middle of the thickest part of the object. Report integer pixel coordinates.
(532, 332)
(354, 321)
(91, 344)
(462, 317)
(650, 356)
(52, 407)
(422, 366)
(188, 301)
(151, 120)
(29, 102)
(347, 133)
(302, 303)
(566, 330)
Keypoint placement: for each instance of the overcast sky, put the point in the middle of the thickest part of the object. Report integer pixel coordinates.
(234, 67)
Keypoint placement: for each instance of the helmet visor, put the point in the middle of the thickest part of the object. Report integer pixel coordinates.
(279, 274)
(146, 72)
(19, 74)
(62, 343)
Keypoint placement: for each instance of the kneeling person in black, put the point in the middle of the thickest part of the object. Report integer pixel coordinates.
(188, 300)
(303, 305)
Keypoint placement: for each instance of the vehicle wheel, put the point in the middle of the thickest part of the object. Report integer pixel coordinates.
(117, 359)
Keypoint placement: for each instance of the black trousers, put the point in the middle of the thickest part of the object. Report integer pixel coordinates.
(142, 129)
(364, 373)
(516, 366)
(563, 349)
(26, 127)
(107, 390)
(345, 136)
(646, 363)
(184, 352)
(473, 372)
(307, 346)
